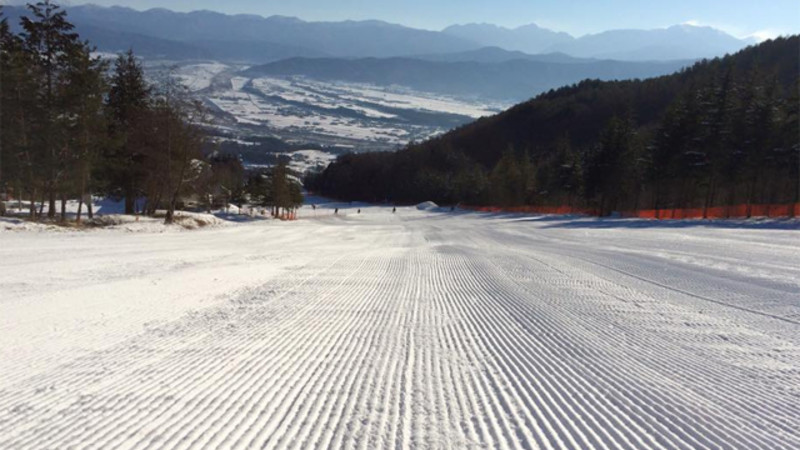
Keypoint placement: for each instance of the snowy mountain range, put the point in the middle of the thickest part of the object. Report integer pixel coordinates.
(528, 38)
(676, 42)
(256, 39)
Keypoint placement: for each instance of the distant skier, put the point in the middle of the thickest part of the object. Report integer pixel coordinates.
(336, 211)
(394, 210)
(359, 211)
(314, 207)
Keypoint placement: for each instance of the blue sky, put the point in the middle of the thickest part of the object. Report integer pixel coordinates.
(741, 18)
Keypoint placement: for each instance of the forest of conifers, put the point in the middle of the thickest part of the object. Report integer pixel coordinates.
(722, 132)
(73, 126)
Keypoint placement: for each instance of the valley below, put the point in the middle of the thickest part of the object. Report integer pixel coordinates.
(297, 110)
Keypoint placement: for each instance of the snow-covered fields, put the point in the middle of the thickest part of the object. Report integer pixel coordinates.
(419, 329)
(310, 110)
(197, 77)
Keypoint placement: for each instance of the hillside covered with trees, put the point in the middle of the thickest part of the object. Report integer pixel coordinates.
(722, 132)
(71, 127)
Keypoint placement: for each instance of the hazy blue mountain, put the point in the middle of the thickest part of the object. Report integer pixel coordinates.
(255, 39)
(677, 42)
(228, 32)
(528, 38)
(119, 35)
(498, 55)
(510, 80)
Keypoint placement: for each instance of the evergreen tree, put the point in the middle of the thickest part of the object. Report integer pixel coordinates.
(86, 124)
(611, 171)
(512, 179)
(789, 156)
(569, 171)
(66, 133)
(471, 186)
(758, 132)
(19, 108)
(49, 40)
(129, 99)
(259, 190)
(5, 43)
(179, 152)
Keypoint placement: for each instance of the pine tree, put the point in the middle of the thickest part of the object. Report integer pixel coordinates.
(49, 39)
(280, 187)
(790, 144)
(259, 190)
(611, 173)
(86, 123)
(5, 42)
(179, 152)
(19, 109)
(569, 170)
(129, 99)
(759, 129)
(512, 179)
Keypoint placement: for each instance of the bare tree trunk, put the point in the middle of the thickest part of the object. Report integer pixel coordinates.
(751, 192)
(63, 207)
(128, 204)
(51, 198)
(81, 196)
(33, 204)
(712, 186)
(90, 207)
(155, 205)
(41, 206)
(80, 211)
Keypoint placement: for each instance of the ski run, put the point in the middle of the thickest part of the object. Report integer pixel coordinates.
(420, 329)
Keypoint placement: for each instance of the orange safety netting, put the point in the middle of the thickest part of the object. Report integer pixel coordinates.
(776, 211)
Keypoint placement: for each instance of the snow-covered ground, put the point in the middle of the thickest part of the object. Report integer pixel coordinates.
(423, 329)
(197, 77)
(305, 160)
(302, 107)
(109, 216)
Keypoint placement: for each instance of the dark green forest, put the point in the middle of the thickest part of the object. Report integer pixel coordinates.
(73, 125)
(722, 132)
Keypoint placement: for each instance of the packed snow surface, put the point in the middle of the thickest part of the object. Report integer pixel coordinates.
(409, 330)
(427, 206)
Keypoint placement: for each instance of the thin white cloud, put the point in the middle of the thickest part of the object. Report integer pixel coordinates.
(759, 35)
(765, 35)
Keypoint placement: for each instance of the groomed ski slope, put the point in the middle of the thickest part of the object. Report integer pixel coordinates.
(414, 330)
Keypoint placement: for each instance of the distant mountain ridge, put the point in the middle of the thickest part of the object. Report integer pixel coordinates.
(529, 38)
(199, 28)
(499, 55)
(676, 42)
(508, 80)
(255, 39)
(679, 41)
